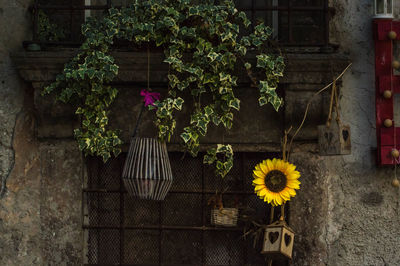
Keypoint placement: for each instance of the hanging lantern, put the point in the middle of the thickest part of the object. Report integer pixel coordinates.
(334, 139)
(383, 9)
(278, 241)
(147, 171)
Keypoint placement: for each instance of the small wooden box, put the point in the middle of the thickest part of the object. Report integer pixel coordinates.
(224, 217)
(278, 241)
(334, 140)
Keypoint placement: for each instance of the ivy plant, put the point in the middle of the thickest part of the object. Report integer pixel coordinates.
(48, 31)
(203, 44)
(222, 156)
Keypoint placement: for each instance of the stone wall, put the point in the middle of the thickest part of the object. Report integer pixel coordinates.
(356, 209)
(18, 207)
(40, 220)
(346, 212)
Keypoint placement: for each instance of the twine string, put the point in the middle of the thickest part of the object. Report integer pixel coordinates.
(148, 88)
(308, 107)
(334, 103)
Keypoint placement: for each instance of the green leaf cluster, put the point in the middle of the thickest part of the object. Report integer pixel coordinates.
(48, 31)
(202, 45)
(222, 157)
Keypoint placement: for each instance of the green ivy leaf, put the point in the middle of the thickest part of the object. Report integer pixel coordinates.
(201, 46)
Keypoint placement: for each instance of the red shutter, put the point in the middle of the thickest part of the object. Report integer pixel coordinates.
(384, 80)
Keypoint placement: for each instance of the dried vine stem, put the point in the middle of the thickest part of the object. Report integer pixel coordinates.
(250, 75)
(306, 112)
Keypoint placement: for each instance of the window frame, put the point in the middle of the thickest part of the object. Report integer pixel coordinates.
(325, 10)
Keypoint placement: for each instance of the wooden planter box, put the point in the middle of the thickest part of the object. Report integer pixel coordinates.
(224, 217)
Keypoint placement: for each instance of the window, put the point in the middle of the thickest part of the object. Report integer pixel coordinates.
(295, 22)
(123, 230)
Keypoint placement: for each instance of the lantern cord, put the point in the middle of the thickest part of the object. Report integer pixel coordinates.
(282, 218)
(271, 219)
(308, 107)
(148, 67)
(334, 99)
(148, 88)
(284, 146)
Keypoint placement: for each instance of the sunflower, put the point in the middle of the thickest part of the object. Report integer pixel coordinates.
(275, 181)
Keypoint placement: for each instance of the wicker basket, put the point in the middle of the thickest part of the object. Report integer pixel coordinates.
(224, 217)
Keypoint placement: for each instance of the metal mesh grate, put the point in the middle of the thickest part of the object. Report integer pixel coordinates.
(104, 246)
(224, 248)
(123, 230)
(141, 247)
(182, 209)
(181, 247)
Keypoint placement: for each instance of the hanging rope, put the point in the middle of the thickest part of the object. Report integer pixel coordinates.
(308, 107)
(148, 68)
(148, 89)
(334, 103)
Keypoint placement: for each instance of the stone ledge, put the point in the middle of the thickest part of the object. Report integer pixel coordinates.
(305, 74)
(43, 66)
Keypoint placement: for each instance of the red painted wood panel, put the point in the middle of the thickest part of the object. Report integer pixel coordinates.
(386, 157)
(383, 26)
(384, 80)
(387, 136)
(385, 84)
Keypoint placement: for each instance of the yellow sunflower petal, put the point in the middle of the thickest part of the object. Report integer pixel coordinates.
(293, 175)
(285, 194)
(261, 189)
(262, 192)
(259, 174)
(259, 181)
(293, 184)
(270, 165)
(264, 168)
(278, 165)
(291, 191)
(267, 199)
(290, 167)
(278, 199)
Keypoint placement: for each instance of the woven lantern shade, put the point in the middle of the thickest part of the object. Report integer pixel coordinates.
(147, 171)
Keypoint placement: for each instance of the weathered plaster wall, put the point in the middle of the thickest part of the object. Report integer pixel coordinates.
(12, 33)
(350, 204)
(346, 213)
(17, 237)
(40, 218)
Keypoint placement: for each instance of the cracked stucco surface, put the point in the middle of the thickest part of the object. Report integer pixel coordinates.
(15, 21)
(362, 217)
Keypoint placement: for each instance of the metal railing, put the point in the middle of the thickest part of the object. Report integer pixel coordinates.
(123, 230)
(295, 22)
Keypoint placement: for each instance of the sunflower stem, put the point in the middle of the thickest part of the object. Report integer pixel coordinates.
(271, 217)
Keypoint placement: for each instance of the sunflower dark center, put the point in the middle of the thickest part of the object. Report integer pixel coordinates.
(275, 181)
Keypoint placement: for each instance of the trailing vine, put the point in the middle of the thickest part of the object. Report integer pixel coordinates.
(48, 31)
(203, 46)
